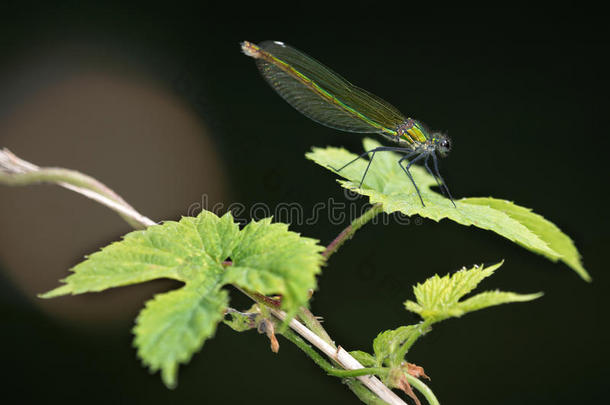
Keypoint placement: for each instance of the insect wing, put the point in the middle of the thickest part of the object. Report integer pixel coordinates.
(322, 95)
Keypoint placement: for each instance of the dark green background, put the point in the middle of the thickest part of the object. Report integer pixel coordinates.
(524, 97)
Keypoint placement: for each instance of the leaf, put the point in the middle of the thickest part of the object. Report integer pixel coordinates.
(366, 359)
(438, 297)
(546, 230)
(386, 183)
(388, 345)
(183, 251)
(267, 259)
(491, 298)
(272, 260)
(174, 325)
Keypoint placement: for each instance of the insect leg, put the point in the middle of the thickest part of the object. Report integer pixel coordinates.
(406, 170)
(367, 169)
(435, 160)
(433, 175)
(378, 149)
(352, 161)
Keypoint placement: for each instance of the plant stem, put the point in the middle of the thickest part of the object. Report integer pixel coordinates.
(309, 319)
(18, 172)
(351, 229)
(313, 323)
(343, 358)
(15, 171)
(423, 388)
(325, 365)
(362, 392)
(421, 329)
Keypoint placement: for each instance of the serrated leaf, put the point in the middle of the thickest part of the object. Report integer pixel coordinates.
(438, 297)
(267, 259)
(182, 251)
(491, 298)
(387, 345)
(386, 183)
(558, 241)
(272, 260)
(174, 325)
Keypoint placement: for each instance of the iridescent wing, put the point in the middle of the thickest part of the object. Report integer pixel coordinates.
(321, 94)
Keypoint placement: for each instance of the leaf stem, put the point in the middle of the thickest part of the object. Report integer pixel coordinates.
(423, 388)
(421, 330)
(351, 229)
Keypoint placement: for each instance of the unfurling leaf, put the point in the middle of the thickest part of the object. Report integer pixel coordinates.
(438, 297)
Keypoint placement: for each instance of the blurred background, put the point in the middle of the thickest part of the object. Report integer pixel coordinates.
(160, 104)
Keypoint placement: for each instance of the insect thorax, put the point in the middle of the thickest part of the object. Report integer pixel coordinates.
(412, 133)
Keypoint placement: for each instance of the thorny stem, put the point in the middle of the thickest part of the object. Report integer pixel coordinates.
(15, 171)
(313, 323)
(351, 229)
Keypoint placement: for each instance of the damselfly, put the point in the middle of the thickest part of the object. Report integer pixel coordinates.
(327, 98)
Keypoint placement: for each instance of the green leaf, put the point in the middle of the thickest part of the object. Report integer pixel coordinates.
(491, 298)
(267, 259)
(366, 359)
(183, 251)
(389, 345)
(556, 240)
(438, 297)
(386, 183)
(272, 260)
(174, 325)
